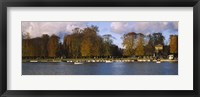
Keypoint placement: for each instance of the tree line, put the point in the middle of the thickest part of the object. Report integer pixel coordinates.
(138, 44)
(86, 43)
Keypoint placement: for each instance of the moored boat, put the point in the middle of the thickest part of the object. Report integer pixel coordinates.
(158, 61)
(33, 61)
(78, 62)
(108, 61)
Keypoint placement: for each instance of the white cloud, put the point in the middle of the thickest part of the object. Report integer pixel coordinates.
(36, 29)
(143, 27)
(120, 27)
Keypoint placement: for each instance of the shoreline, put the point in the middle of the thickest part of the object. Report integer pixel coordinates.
(95, 60)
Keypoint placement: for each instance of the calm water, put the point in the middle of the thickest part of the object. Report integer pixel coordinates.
(115, 68)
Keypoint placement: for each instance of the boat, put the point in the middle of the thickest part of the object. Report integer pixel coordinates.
(78, 62)
(93, 61)
(108, 61)
(139, 60)
(158, 61)
(97, 61)
(144, 60)
(33, 61)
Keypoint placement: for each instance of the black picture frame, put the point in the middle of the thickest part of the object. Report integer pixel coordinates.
(100, 3)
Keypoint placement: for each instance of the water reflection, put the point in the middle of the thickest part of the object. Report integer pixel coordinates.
(115, 68)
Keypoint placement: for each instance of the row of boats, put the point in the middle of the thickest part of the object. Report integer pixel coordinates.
(111, 61)
(106, 61)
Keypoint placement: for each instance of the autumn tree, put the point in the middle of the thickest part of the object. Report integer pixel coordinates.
(66, 45)
(140, 45)
(129, 43)
(97, 49)
(107, 42)
(72, 43)
(43, 47)
(173, 44)
(75, 45)
(90, 41)
(27, 48)
(52, 45)
(86, 47)
(149, 48)
(25, 44)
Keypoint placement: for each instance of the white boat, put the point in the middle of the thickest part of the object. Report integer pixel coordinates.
(139, 60)
(117, 60)
(144, 60)
(158, 61)
(78, 62)
(33, 61)
(93, 60)
(97, 61)
(108, 61)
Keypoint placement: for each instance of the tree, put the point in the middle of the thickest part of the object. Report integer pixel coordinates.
(66, 44)
(90, 41)
(43, 46)
(72, 43)
(53, 44)
(97, 46)
(60, 51)
(173, 44)
(140, 45)
(116, 52)
(166, 51)
(26, 35)
(75, 45)
(26, 48)
(86, 47)
(129, 43)
(158, 38)
(149, 48)
(107, 42)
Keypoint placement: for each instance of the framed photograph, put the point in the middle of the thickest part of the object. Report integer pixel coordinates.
(83, 48)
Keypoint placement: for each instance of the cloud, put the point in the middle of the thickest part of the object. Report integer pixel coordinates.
(120, 27)
(144, 27)
(36, 29)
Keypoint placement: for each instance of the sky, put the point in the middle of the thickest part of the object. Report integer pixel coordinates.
(116, 29)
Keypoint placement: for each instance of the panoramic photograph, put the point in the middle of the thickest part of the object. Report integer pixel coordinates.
(99, 47)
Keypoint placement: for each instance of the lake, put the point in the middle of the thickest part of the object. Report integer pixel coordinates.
(115, 68)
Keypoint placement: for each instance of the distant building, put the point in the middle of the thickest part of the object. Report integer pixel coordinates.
(171, 57)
